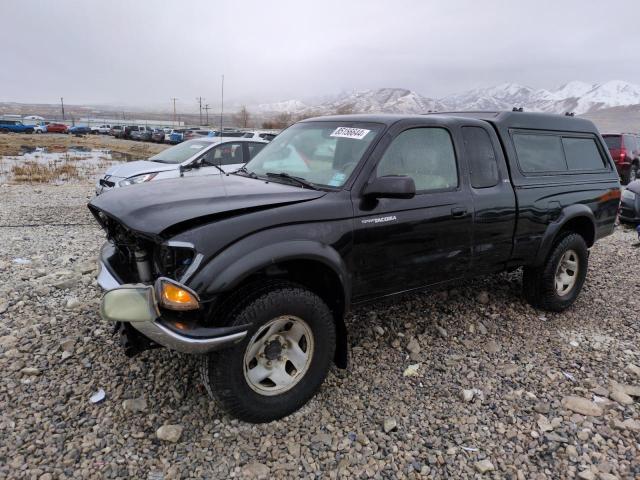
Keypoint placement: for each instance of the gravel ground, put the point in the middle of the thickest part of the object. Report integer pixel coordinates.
(465, 383)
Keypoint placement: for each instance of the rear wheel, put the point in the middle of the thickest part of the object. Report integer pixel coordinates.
(556, 284)
(283, 359)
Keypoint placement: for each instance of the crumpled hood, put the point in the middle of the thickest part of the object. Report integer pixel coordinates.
(151, 208)
(139, 167)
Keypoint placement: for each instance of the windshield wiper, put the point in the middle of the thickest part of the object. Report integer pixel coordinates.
(301, 181)
(243, 169)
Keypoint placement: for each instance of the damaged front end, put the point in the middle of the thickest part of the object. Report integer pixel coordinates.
(147, 298)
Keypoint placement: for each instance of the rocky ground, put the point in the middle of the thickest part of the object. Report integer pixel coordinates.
(465, 383)
(13, 143)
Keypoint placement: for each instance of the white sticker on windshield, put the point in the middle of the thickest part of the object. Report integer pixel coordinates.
(197, 147)
(348, 132)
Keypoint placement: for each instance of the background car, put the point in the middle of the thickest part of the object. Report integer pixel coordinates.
(630, 203)
(227, 133)
(57, 128)
(40, 128)
(144, 134)
(79, 130)
(268, 136)
(115, 130)
(625, 152)
(195, 133)
(202, 156)
(127, 131)
(177, 135)
(157, 135)
(141, 133)
(103, 129)
(15, 126)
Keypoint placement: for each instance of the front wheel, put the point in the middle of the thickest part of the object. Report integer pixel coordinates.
(555, 285)
(281, 362)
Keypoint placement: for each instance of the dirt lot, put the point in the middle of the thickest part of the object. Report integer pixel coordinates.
(493, 392)
(12, 143)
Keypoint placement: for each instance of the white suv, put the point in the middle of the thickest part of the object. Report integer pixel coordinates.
(103, 129)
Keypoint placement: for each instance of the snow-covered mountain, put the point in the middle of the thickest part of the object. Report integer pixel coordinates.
(500, 97)
(576, 96)
(389, 100)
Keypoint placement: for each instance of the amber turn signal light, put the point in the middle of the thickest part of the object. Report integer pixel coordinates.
(176, 297)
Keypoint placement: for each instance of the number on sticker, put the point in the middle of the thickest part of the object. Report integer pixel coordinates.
(349, 132)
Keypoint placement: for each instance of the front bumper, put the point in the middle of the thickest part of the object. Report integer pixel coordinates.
(136, 305)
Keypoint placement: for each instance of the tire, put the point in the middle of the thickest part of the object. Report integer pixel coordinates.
(546, 287)
(277, 312)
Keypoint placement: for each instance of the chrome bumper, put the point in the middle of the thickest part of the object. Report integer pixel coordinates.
(136, 304)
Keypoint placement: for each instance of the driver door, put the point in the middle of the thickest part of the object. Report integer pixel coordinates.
(403, 244)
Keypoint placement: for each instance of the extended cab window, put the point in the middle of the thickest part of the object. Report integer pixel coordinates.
(424, 154)
(539, 153)
(582, 154)
(482, 157)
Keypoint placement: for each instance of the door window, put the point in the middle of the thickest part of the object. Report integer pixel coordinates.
(254, 148)
(425, 154)
(482, 157)
(225, 154)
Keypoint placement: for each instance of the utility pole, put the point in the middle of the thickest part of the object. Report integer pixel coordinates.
(62, 105)
(199, 99)
(173, 99)
(206, 109)
(222, 105)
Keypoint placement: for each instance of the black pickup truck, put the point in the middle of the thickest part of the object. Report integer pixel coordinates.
(255, 270)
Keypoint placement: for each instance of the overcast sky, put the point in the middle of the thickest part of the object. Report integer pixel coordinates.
(144, 52)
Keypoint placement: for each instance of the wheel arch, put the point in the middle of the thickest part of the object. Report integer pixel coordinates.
(316, 266)
(576, 218)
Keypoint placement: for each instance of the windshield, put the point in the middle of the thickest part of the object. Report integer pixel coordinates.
(324, 153)
(181, 152)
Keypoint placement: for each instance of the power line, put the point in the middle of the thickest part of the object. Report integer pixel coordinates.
(173, 99)
(199, 99)
(206, 109)
(222, 105)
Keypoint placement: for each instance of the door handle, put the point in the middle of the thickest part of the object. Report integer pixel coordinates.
(458, 212)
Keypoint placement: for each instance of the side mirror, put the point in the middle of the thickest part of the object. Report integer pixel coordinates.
(391, 186)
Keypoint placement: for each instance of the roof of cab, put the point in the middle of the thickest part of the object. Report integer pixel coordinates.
(524, 120)
(528, 120)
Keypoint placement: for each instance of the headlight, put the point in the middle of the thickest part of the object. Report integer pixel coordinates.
(628, 194)
(145, 177)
